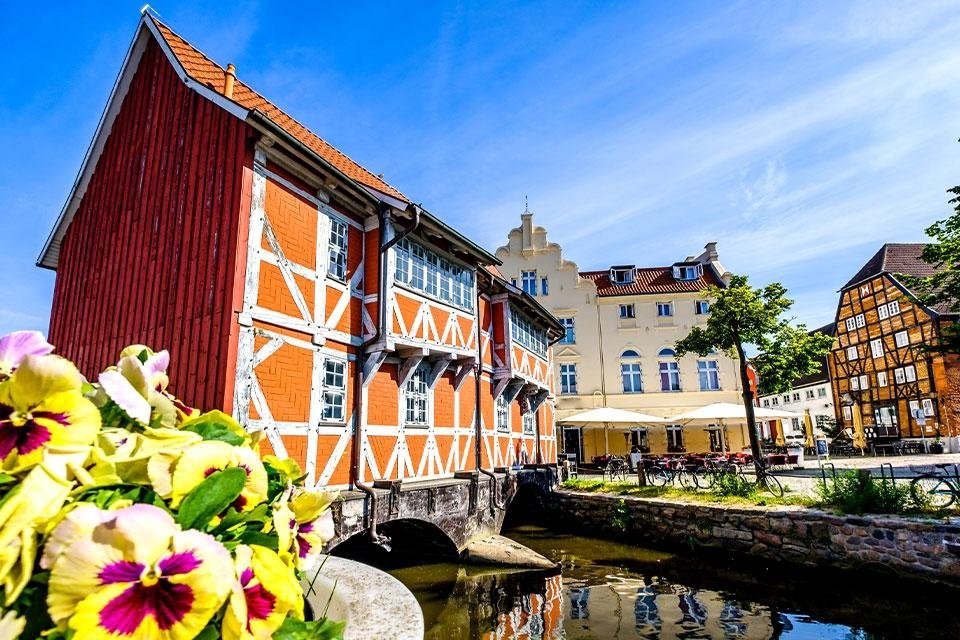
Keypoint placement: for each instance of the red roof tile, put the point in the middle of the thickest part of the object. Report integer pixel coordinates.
(650, 281)
(205, 71)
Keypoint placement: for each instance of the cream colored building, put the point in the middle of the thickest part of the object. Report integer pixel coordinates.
(622, 324)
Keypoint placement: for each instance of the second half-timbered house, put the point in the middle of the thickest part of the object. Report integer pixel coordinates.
(879, 365)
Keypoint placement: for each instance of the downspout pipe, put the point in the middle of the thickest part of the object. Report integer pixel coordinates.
(383, 214)
(495, 500)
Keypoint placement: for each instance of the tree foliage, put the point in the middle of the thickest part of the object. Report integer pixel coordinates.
(944, 285)
(742, 316)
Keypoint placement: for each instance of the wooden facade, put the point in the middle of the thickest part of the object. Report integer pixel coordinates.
(207, 222)
(879, 363)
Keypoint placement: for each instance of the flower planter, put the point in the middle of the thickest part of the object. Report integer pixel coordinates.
(373, 603)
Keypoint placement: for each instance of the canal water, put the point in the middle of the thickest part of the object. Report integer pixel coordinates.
(608, 590)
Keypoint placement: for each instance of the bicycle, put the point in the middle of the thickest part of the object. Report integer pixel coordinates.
(707, 475)
(937, 488)
(660, 475)
(765, 480)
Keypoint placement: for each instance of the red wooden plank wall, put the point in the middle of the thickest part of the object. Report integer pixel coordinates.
(154, 250)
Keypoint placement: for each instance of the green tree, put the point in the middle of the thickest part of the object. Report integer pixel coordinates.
(742, 318)
(944, 285)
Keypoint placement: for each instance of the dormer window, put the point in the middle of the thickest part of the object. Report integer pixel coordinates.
(622, 274)
(687, 271)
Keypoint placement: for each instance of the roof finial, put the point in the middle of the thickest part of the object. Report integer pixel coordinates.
(526, 204)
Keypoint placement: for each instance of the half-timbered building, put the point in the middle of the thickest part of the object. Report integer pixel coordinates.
(879, 365)
(293, 288)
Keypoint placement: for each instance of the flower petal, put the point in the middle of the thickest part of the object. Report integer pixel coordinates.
(125, 395)
(14, 347)
(38, 377)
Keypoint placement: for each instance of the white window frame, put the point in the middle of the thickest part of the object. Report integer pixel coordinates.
(852, 353)
(501, 409)
(568, 379)
(847, 413)
(855, 383)
(876, 348)
(881, 378)
(893, 307)
(432, 274)
(529, 423)
(628, 311)
(526, 334)
(851, 324)
(708, 371)
(664, 309)
(899, 376)
(883, 312)
(417, 398)
(544, 287)
(796, 396)
(910, 372)
(775, 401)
(861, 320)
(928, 409)
(333, 390)
(901, 339)
(528, 282)
(809, 394)
(337, 246)
(821, 393)
(631, 376)
(701, 307)
(569, 331)
(672, 370)
(864, 382)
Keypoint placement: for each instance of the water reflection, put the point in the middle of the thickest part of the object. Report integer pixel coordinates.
(607, 590)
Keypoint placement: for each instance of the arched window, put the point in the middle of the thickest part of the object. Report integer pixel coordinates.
(669, 370)
(630, 372)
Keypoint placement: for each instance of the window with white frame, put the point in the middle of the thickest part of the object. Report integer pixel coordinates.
(775, 401)
(796, 396)
(927, 407)
(709, 373)
(544, 286)
(568, 379)
(852, 353)
(808, 394)
(528, 282)
(864, 382)
(529, 423)
(910, 373)
(628, 311)
(876, 348)
(883, 312)
(334, 392)
(821, 393)
(701, 307)
(899, 376)
(913, 406)
(433, 275)
(674, 438)
(847, 413)
(621, 275)
(851, 324)
(664, 309)
(901, 338)
(766, 402)
(669, 371)
(502, 410)
(630, 373)
(337, 261)
(417, 397)
(569, 332)
(786, 398)
(881, 378)
(687, 272)
(894, 307)
(525, 333)
(861, 321)
(855, 383)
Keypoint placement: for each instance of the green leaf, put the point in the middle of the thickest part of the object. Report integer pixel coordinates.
(322, 629)
(6, 478)
(267, 540)
(211, 497)
(209, 633)
(211, 426)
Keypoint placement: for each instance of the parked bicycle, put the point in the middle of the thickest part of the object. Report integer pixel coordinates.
(662, 474)
(714, 471)
(707, 475)
(935, 485)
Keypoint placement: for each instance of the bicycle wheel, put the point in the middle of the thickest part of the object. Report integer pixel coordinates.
(659, 477)
(772, 485)
(704, 478)
(687, 479)
(933, 490)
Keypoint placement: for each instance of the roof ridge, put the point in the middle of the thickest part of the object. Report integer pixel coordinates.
(241, 84)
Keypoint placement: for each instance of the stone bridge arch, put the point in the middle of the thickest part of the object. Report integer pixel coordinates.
(464, 508)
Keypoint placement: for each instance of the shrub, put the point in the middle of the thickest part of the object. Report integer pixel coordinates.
(733, 484)
(856, 491)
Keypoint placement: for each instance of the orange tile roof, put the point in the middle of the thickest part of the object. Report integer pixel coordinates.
(651, 280)
(207, 72)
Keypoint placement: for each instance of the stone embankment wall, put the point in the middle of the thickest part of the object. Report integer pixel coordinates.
(797, 535)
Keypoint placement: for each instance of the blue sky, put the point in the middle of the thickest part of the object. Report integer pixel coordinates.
(800, 136)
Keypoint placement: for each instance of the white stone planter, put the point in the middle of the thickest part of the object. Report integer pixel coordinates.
(374, 604)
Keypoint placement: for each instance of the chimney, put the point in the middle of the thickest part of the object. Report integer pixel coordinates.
(526, 227)
(711, 250)
(228, 79)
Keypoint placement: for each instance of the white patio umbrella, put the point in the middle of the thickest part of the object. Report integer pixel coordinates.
(610, 417)
(722, 412)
